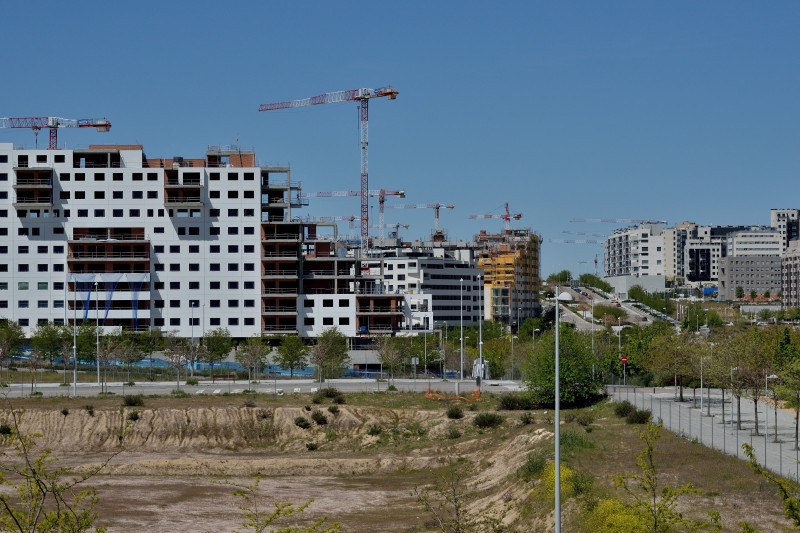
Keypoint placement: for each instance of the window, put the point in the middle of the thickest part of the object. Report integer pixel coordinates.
(3, 304)
(83, 213)
(213, 176)
(194, 267)
(174, 285)
(152, 176)
(194, 249)
(233, 267)
(233, 176)
(327, 303)
(149, 213)
(308, 321)
(174, 249)
(80, 195)
(194, 285)
(249, 176)
(214, 285)
(344, 303)
(249, 231)
(213, 212)
(233, 303)
(214, 321)
(4, 286)
(249, 249)
(249, 321)
(42, 304)
(213, 267)
(58, 268)
(233, 230)
(233, 195)
(249, 194)
(22, 249)
(194, 231)
(233, 212)
(213, 303)
(233, 285)
(42, 286)
(64, 176)
(158, 248)
(249, 212)
(213, 230)
(137, 176)
(174, 321)
(249, 303)
(152, 195)
(41, 249)
(175, 267)
(133, 213)
(213, 194)
(80, 176)
(158, 322)
(23, 322)
(158, 229)
(22, 268)
(137, 195)
(63, 195)
(116, 195)
(158, 285)
(99, 213)
(327, 321)
(158, 267)
(22, 286)
(116, 176)
(233, 321)
(22, 304)
(249, 285)
(249, 267)
(213, 249)
(344, 321)
(99, 176)
(174, 303)
(58, 304)
(117, 213)
(233, 249)
(42, 267)
(181, 231)
(4, 176)
(158, 304)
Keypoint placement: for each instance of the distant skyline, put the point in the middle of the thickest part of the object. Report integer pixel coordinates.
(680, 111)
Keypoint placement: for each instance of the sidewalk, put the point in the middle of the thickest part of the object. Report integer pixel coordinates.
(777, 455)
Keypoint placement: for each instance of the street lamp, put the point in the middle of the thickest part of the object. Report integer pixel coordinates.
(766, 410)
(619, 348)
(480, 337)
(711, 355)
(74, 338)
(97, 331)
(732, 369)
(534, 337)
(512, 356)
(559, 298)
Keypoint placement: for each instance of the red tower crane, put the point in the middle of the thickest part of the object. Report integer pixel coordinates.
(435, 208)
(380, 193)
(507, 217)
(53, 123)
(363, 96)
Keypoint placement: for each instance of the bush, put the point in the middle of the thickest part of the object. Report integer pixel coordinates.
(133, 416)
(316, 399)
(374, 430)
(178, 393)
(515, 402)
(302, 422)
(89, 409)
(339, 399)
(582, 482)
(249, 403)
(638, 416)
(65, 411)
(37, 394)
(307, 407)
(192, 381)
(130, 383)
(5, 429)
(571, 440)
(527, 418)
(133, 400)
(312, 446)
(333, 409)
(453, 432)
(319, 418)
(569, 416)
(624, 408)
(585, 418)
(391, 388)
(533, 466)
(454, 412)
(487, 420)
(330, 392)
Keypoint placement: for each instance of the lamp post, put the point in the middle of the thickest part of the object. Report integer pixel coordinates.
(461, 324)
(97, 332)
(480, 338)
(732, 369)
(512, 356)
(534, 337)
(566, 296)
(74, 338)
(619, 348)
(766, 409)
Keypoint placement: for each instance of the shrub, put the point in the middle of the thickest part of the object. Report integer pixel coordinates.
(515, 402)
(130, 384)
(36, 394)
(319, 418)
(526, 418)
(192, 381)
(569, 416)
(473, 407)
(330, 392)
(133, 416)
(333, 409)
(339, 399)
(178, 393)
(133, 400)
(374, 430)
(582, 482)
(638, 416)
(571, 440)
(302, 422)
(487, 420)
(391, 388)
(89, 409)
(533, 466)
(623, 409)
(65, 411)
(312, 446)
(307, 407)
(249, 403)
(5, 429)
(316, 399)
(453, 432)
(454, 412)
(585, 418)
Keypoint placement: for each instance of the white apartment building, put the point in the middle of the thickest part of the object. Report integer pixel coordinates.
(787, 222)
(635, 251)
(674, 249)
(756, 241)
(105, 233)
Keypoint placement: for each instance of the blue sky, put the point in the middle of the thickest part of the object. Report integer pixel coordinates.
(675, 111)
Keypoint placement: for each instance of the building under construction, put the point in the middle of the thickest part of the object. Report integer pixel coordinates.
(511, 265)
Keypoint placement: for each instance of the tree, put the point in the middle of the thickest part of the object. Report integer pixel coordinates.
(673, 353)
(292, 353)
(739, 292)
(390, 353)
(218, 345)
(713, 320)
(753, 294)
(46, 337)
(659, 501)
(174, 350)
(577, 385)
(11, 338)
(41, 498)
(252, 355)
(35, 363)
(791, 504)
(130, 352)
(330, 353)
(108, 350)
(789, 390)
(497, 352)
(259, 519)
(756, 360)
(560, 278)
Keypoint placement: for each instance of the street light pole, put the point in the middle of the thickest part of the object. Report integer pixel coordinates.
(619, 348)
(74, 338)
(558, 423)
(97, 331)
(480, 339)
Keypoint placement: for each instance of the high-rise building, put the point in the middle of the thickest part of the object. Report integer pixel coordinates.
(787, 222)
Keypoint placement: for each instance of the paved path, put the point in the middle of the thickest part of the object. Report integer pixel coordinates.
(683, 418)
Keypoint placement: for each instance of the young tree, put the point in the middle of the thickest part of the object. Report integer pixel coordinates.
(657, 500)
(390, 353)
(11, 338)
(252, 354)
(130, 352)
(35, 363)
(110, 346)
(218, 344)
(330, 353)
(756, 360)
(789, 391)
(292, 353)
(46, 337)
(673, 353)
(497, 353)
(739, 292)
(174, 350)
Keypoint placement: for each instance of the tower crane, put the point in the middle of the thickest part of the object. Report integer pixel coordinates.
(584, 233)
(435, 208)
(396, 227)
(506, 217)
(363, 96)
(619, 220)
(53, 123)
(351, 219)
(380, 193)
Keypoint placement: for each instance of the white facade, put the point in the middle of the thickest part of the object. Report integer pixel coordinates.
(635, 251)
(787, 222)
(755, 242)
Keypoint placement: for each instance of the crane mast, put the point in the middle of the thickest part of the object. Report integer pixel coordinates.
(363, 96)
